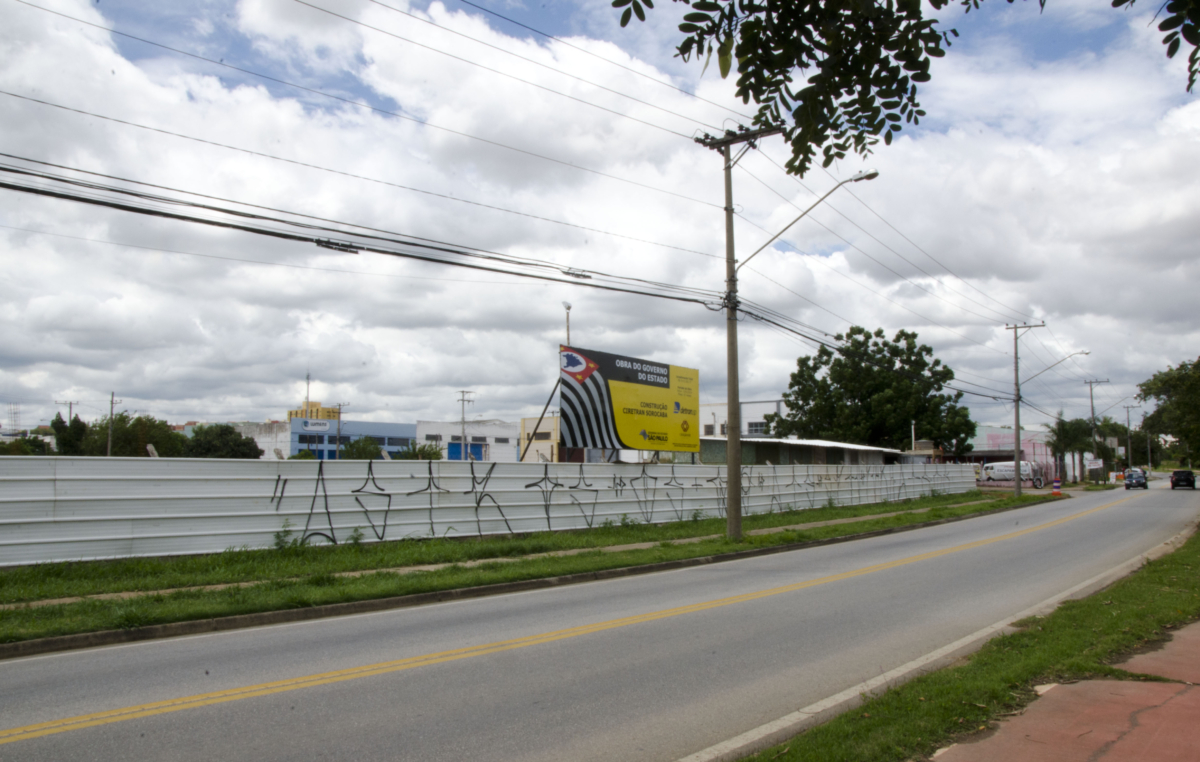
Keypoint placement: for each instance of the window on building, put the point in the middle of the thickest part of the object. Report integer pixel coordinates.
(482, 440)
(756, 427)
(542, 436)
(708, 429)
(723, 432)
(501, 440)
(311, 439)
(398, 441)
(433, 437)
(381, 441)
(455, 438)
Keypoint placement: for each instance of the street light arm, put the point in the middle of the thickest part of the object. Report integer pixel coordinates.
(1048, 367)
(868, 175)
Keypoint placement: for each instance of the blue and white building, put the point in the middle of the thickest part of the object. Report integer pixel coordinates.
(321, 436)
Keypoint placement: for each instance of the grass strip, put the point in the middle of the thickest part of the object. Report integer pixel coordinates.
(290, 560)
(1080, 640)
(325, 588)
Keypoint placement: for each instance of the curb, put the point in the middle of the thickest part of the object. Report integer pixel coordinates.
(264, 618)
(791, 725)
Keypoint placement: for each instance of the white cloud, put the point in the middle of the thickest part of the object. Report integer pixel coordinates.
(1058, 189)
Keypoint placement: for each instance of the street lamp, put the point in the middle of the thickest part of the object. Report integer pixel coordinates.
(567, 306)
(733, 428)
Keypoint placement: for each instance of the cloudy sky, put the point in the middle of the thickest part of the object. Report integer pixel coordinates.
(1053, 180)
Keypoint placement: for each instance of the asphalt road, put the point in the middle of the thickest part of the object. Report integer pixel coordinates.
(647, 668)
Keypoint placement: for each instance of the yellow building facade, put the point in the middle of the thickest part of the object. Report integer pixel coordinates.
(314, 410)
(542, 441)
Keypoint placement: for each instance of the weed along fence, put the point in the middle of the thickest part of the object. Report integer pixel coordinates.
(61, 509)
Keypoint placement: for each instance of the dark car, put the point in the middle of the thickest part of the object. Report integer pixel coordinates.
(1135, 478)
(1183, 479)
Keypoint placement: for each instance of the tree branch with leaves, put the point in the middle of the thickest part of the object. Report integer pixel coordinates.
(840, 75)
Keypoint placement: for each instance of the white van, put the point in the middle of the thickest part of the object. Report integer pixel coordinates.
(1003, 472)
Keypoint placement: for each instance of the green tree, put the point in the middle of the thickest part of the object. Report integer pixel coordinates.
(414, 451)
(870, 391)
(25, 445)
(131, 435)
(1176, 392)
(221, 440)
(363, 448)
(1073, 438)
(839, 75)
(68, 437)
(303, 455)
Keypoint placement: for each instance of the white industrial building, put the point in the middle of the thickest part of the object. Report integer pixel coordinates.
(487, 440)
(714, 417)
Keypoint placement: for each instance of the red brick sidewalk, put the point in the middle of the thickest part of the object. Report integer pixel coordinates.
(1106, 720)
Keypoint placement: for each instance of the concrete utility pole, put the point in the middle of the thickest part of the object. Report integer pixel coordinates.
(1129, 437)
(733, 425)
(112, 405)
(567, 306)
(339, 407)
(1092, 397)
(70, 408)
(1149, 462)
(1016, 329)
(462, 398)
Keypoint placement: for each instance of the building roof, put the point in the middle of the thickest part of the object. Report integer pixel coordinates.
(811, 443)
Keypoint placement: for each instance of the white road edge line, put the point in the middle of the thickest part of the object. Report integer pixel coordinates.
(774, 733)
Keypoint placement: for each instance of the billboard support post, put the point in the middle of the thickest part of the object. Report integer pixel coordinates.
(538, 425)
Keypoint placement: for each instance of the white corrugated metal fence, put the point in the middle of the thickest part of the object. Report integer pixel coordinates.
(62, 508)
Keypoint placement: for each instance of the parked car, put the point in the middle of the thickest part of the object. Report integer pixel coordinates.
(1183, 479)
(1134, 478)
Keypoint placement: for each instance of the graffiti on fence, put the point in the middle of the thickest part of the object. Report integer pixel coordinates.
(652, 494)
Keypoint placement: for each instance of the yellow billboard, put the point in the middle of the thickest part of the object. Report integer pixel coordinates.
(613, 402)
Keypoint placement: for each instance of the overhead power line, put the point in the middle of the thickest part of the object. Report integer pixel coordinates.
(869, 256)
(376, 109)
(539, 64)
(289, 265)
(585, 51)
(343, 173)
(929, 320)
(469, 62)
(444, 253)
(845, 351)
(937, 262)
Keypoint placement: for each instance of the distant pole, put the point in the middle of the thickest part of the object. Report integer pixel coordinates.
(567, 305)
(70, 408)
(339, 406)
(1149, 462)
(1129, 437)
(112, 406)
(462, 398)
(1092, 398)
(307, 389)
(1016, 329)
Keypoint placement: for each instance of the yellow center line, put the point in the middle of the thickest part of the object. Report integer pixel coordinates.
(369, 670)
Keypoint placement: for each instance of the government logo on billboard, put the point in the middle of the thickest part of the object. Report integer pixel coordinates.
(614, 402)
